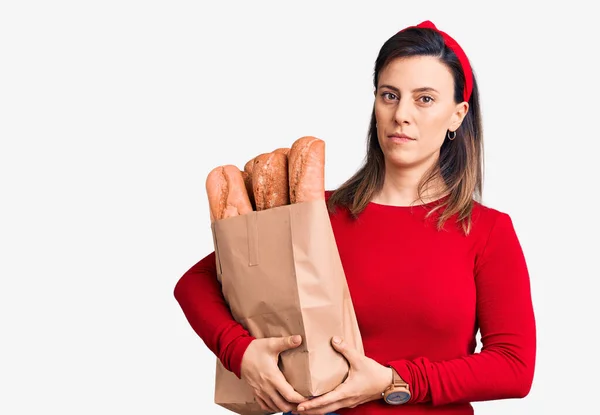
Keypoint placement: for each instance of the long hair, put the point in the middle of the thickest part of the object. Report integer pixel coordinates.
(460, 163)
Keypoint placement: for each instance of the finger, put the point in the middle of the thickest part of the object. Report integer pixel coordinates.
(282, 344)
(280, 402)
(263, 405)
(323, 400)
(353, 357)
(286, 390)
(269, 403)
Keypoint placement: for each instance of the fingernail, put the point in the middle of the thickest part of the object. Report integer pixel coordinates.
(301, 408)
(296, 339)
(337, 340)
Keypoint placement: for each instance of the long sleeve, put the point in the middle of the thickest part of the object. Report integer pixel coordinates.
(505, 366)
(199, 294)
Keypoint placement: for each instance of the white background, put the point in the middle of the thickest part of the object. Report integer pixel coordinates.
(113, 112)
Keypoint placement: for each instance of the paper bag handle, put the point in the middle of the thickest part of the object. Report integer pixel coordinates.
(252, 232)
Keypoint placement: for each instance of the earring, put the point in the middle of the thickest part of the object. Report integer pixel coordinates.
(453, 137)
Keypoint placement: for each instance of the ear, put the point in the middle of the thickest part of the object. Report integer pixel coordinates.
(458, 115)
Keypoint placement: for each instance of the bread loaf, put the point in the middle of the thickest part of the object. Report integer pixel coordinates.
(307, 170)
(227, 195)
(248, 166)
(282, 150)
(248, 184)
(270, 180)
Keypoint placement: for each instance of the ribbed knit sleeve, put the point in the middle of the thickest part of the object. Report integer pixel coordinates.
(199, 294)
(505, 366)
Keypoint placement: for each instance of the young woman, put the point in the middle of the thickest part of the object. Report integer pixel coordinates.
(428, 265)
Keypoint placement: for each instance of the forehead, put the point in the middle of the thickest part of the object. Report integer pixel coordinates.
(416, 72)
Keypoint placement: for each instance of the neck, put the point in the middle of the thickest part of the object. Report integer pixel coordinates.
(401, 185)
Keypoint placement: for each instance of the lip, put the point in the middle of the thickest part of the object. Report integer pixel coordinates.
(400, 138)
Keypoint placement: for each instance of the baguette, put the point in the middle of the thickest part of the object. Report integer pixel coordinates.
(307, 170)
(270, 183)
(247, 175)
(248, 185)
(227, 195)
(249, 165)
(282, 150)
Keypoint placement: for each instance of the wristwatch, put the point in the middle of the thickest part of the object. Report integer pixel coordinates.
(398, 392)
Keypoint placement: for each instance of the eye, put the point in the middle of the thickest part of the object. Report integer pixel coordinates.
(389, 96)
(426, 99)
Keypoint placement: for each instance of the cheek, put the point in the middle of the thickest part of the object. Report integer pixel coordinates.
(379, 116)
(433, 126)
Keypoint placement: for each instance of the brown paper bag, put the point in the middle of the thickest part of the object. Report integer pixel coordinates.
(281, 274)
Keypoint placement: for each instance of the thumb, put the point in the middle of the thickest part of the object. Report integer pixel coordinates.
(341, 346)
(285, 343)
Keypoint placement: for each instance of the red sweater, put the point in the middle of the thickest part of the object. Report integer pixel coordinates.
(420, 296)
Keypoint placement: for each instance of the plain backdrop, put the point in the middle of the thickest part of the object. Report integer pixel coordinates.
(112, 113)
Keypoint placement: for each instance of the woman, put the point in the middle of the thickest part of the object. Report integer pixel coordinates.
(427, 265)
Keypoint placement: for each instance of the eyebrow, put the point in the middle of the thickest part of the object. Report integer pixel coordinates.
(421, 89)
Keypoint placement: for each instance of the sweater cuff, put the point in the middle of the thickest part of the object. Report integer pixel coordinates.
(402, 367)
(238, 348)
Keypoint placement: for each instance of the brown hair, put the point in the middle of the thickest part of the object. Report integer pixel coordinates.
(460, 164)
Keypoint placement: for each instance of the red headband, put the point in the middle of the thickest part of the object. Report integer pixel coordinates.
(460, 54)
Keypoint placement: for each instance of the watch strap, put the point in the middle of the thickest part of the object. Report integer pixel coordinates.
(397, 381)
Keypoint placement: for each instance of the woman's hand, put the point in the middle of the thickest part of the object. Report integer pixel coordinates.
(261, 371)
(366, 381)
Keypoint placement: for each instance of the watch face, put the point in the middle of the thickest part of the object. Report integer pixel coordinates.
(397, 398)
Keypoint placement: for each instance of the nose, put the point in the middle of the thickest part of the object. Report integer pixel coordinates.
(403, 111)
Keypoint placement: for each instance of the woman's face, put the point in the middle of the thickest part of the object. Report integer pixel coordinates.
(415, 97)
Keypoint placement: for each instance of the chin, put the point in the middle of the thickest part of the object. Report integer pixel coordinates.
(400, 160)
(404, 162)
(405, 158)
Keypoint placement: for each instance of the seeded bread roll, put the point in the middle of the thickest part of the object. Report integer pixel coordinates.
(270, 180)
(307, 170)
(227, 195)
